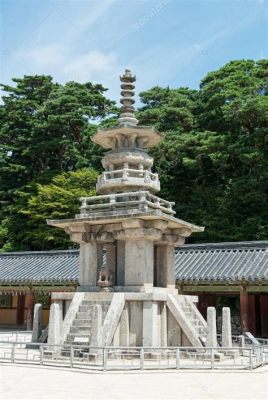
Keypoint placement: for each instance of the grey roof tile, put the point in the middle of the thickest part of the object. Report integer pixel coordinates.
(42, 267)
(220, 262)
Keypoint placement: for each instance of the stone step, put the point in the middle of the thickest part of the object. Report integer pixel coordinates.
(195, 322)
(85, 308)
(81, 330)
(72, 336)
(82, 322)
(93, 303)
(83, 315)
(187, 309)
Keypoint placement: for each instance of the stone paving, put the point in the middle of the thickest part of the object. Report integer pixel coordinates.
(27, 382)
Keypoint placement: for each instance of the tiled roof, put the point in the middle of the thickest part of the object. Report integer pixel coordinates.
(39, 267)
(222, 262)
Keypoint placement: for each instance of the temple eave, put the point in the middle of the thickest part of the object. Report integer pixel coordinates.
(104, 135)
(173, 223)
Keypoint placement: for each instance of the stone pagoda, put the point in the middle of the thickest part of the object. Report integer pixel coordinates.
(127, 237)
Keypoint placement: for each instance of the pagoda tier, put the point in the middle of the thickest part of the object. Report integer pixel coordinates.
(127, 167)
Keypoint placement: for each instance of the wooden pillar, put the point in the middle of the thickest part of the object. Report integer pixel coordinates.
(264, 314)
(252, 313)
(243, 308)
(20, 309)
(30, 311)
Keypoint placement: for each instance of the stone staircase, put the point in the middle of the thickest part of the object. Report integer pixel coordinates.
(198, 323)
(80, 330)
(189, 319)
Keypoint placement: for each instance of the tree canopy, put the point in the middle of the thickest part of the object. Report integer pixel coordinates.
(213, 161)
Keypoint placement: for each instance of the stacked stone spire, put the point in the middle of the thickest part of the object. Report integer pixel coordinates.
(127, 167)
(127, 92)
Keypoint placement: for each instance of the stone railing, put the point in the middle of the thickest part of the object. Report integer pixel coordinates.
(128, 177)
(123, 203)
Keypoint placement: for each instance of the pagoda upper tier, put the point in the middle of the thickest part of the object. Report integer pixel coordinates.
(127, 166)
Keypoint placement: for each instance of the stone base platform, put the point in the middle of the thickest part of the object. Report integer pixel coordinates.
(155, 318)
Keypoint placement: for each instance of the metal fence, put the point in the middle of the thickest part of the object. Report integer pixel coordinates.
(131, 358)
(15, 336)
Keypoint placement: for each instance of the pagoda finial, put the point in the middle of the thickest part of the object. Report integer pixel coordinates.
(127, 117)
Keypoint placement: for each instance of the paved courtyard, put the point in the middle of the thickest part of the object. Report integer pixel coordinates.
(28, 382)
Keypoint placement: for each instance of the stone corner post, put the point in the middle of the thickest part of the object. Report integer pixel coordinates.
(54, 328)
(37, 323)
(211, 328)
(226, 327)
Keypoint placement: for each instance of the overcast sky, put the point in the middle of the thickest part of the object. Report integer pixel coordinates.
(165, 42)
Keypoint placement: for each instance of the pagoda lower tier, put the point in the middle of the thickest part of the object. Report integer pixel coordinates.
(136, 231)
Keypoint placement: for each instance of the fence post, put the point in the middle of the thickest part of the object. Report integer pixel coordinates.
(212, 359)
(142, 358)
(250, 359)
(72, 357)
(13, 353)
(41, 349)
(104, 358)
(177, 358)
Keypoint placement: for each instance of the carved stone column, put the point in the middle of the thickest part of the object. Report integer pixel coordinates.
(90, 256)
(165, 259)
(90, 260)
(139, 262)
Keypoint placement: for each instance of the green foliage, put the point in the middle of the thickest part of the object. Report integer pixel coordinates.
(213, 161)
(216, 169)
(37, 203)
(45, 129)
(45, 126)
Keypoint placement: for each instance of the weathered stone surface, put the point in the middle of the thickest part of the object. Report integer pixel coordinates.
(184, 323)
(37, 323)
(70, 315)
(211, 328)
(124, 326)
(165, 256)
(226, 327)
(112, 318)
(89, 262)
(163, 324)
(54, 332)
(150, 324)
(96, 333)
(139, 262)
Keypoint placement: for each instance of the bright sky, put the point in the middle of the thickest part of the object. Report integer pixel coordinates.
(165, 42)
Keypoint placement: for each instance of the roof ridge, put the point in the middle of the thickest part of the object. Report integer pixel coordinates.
(41, 252)
(261, 244)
